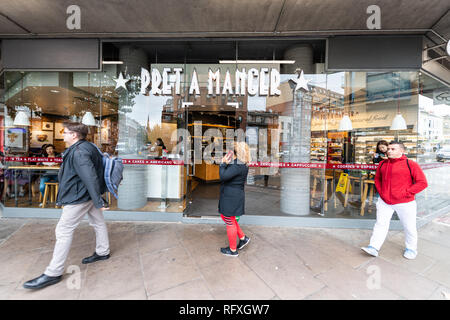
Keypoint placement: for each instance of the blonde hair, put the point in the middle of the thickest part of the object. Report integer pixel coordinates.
(242, 152)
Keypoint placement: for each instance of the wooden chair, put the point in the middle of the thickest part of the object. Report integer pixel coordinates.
(351, 181)
(367, 184)
(52, 189)
(325, 189)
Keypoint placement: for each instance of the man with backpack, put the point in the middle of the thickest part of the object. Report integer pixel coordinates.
(397, 180)
(81, 185)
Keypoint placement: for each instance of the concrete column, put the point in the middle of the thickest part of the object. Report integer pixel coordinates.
(133, 189)
(295, 183)
(303, 56)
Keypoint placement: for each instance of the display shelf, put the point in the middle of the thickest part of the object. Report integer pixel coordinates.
(318, 149)
(365, 145)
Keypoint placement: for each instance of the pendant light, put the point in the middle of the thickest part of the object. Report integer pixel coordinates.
(399, 122)
(22, 119)
(345, 124)
(88, 118)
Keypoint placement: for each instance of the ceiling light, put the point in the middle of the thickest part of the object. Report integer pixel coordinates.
(88, 119)
(345, 124)
(112, 62)
(398, 123)
(22, 119)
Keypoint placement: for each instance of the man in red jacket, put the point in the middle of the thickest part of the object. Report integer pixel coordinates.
(397, 180)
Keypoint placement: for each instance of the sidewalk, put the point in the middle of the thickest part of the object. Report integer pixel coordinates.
(182, 261)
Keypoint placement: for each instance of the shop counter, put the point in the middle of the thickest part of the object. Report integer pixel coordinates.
(165, 181)
(207, 172)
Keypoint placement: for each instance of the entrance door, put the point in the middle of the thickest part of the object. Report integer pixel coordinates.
(207, 125)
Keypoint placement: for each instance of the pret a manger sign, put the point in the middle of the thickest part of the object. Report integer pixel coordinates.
(262, 82)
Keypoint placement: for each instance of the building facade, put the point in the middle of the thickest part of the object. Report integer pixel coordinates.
(311, 106)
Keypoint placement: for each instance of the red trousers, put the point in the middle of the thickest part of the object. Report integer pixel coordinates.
(233, 231)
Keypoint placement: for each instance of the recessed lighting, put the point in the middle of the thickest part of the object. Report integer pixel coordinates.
(258, 61)
(112, 62)
(54, 91)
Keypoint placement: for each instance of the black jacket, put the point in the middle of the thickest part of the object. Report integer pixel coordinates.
(81, 175)
(377, 157)
(232, 195)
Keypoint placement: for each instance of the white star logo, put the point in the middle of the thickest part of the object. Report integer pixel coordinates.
(301, 82)
(120, 82)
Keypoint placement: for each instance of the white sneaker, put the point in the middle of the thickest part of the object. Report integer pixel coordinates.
(410, 254)
(370, 250)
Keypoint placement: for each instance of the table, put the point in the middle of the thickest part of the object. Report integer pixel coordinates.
(32, 168)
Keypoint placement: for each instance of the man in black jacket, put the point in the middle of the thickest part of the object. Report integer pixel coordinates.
(81, 184)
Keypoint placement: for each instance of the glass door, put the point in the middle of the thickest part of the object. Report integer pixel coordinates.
(211, 129)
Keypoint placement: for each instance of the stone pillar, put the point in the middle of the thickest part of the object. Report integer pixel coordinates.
(295, 182)
(133, 189)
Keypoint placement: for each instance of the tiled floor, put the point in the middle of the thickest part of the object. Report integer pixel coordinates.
(182, 261)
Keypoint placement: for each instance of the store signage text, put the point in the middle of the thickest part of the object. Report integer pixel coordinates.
(254, 164)
(262, 82)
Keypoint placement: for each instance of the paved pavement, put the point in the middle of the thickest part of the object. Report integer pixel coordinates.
(182, 261)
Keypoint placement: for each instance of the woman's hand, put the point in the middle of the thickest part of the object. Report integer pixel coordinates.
(227, 158)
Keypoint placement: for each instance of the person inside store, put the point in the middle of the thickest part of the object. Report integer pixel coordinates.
(380, 152)
(48, 151)
(233, 173)
(157, 149)
(181, 146)
(19, 177)
(397, 180)
(160, 143)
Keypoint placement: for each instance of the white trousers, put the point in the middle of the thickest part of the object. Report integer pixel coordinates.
(70, 219)
(406, 212)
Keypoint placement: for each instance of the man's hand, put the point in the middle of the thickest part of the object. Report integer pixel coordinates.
(104, 208)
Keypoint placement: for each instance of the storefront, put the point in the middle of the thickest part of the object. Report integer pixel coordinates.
(171, 109)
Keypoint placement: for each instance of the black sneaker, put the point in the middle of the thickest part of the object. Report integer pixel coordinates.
(243, 243)
(227, 251)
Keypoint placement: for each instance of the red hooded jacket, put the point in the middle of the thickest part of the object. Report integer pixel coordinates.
(396, 183)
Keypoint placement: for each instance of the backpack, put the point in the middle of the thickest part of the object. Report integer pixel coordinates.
(112, 171)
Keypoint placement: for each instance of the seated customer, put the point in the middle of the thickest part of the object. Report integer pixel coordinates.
(19, 177)
(51, 175)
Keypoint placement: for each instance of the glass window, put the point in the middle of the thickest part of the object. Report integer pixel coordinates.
(313, 145)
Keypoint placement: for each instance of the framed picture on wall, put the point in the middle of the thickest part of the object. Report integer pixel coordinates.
(47, 126)
(36, 124)
(59, 129)
(96, 139)
(39, 138)
(15, 139)
(106, 130)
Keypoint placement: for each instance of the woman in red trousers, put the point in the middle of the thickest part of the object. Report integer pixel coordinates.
(233, 175)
